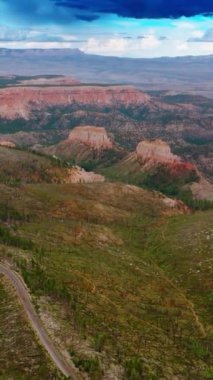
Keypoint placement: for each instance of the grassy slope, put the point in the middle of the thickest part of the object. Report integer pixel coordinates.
(107, 283)
(19, 166)
(158, 178)
(127, 170)
(122, 287)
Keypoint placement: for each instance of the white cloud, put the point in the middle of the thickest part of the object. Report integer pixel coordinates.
(159, 38)
(36, 45)
(206, 47)
(197, 34)
(204, 37)
(182, 46)
(149, 42)
(180, 24)
(121, 46)
(107, 46)
(8, 34)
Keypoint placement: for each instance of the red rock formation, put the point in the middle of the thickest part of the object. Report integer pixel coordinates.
(18, 102)
(181, 168)
(157, 151)
(94, 137)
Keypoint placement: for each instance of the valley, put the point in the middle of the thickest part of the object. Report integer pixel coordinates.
(110, 279)
(106, 214)
(106, 190)
(51, 120)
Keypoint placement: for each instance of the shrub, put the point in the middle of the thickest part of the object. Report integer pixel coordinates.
(198, 349)
(99, 341)
(89, 365)
(134, 369)
(16, 241)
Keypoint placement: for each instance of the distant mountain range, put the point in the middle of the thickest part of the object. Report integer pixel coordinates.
(180, 74)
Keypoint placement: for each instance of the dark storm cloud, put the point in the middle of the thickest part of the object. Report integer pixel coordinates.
(66, 11)
(142, 8)
(88, 18)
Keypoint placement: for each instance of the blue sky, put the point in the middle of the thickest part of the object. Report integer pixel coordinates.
(133, 28)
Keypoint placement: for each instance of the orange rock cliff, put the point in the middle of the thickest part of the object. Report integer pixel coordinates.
(18, 102)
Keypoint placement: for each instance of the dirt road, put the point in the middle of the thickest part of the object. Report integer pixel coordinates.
(36, 323)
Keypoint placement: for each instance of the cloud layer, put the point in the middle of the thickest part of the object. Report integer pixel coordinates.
(133, 28)
(141, 8)
(64, 11)
(206, 37)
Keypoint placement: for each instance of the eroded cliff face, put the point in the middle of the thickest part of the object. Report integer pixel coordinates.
(94, 137)
(84, 143)
(18, 102)
(155, 152)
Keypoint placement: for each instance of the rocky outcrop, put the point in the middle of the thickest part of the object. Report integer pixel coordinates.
(79, 175)
(175, 205)
(156, 158)
(156, 151)
(7, 144)
(202, 189)
(18, 102)
(85, 143)
(95, 137)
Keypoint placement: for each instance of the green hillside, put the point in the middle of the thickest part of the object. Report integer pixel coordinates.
(20, 166)
(121, 281)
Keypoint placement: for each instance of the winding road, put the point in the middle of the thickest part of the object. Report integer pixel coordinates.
(23, 294)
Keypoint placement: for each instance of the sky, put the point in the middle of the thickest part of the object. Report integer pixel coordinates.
(124, 28)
